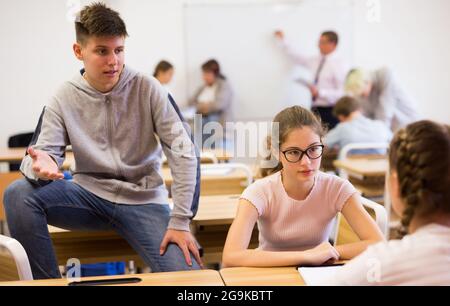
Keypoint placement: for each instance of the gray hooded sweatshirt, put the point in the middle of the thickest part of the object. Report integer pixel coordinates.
(114, 138)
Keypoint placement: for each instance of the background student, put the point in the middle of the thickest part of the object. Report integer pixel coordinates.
(214, 99)
(382, 97)
(296, 204)
(328, 72)
(354, 127)
(164, 72)
(419, 182)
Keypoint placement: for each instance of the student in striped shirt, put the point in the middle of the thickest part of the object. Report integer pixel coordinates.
(295, 204)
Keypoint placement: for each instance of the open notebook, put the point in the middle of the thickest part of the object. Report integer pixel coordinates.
(318, 276)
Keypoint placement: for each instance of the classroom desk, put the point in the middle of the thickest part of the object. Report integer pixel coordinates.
(216, 210)
(366, 174)
(363, 167)
(284, 276)
(15, 155)
(229, 183)
(182, 278)
(210, 227)
(91, 246)
(215, 184)
(212, 222)
(11, 154)
(222, 155)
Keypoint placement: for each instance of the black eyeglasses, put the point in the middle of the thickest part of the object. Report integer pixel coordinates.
(294, 155)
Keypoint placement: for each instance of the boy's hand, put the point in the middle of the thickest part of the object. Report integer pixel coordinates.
(185, 242)
(44, 166)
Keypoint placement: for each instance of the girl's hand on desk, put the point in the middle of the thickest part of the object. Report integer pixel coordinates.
(321, 254)
(185, 241)
(44, 166)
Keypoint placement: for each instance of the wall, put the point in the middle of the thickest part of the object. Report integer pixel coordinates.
(36, 53)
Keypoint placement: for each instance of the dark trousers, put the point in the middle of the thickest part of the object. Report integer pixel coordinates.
(326, 115)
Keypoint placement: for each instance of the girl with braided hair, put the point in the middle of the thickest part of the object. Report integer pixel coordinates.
(419, 184)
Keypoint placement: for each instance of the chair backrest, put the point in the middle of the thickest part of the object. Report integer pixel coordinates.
(343, 233)
(18, 141)
(344, 153)
(362, 149)
(5, 180)
(12, 249)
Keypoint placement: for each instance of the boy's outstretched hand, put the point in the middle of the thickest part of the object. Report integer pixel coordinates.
(44, 166)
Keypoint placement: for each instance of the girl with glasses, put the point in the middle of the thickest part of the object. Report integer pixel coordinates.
(295, 204)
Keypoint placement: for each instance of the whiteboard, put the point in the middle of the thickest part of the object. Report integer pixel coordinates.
(240, 36)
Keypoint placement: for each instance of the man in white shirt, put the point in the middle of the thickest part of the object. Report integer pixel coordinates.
(328, 72)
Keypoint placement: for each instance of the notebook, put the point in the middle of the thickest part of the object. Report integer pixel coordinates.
(317, 276)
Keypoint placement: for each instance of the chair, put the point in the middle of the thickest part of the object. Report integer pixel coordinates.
(18, 141)
(343, 232)
(366, 148)
(344, 153)
(20, 259)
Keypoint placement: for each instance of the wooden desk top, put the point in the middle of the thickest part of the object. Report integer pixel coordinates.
(12, 154)
(222, 174)
(221, 154)
(8, 155)
(182, 278)
(284, 276)
(364, 167)
(214, 210)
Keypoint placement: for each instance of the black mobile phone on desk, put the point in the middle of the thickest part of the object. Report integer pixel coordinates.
(113, 281)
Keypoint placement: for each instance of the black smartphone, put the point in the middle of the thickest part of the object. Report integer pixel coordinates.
(113, 281)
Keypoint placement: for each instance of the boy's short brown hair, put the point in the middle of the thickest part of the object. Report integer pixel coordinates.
(345, 106)
(98, 20)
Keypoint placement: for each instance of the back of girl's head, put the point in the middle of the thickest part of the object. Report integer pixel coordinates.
(213, 66)
(420, 154)
(162, 66)
(287, 120)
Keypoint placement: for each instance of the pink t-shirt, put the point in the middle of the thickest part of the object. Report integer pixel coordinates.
(286, 224)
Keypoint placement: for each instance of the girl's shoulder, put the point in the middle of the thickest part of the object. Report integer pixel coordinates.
(329, 179)
(268, 182)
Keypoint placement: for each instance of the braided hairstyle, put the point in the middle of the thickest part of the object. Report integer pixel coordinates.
(420, 154)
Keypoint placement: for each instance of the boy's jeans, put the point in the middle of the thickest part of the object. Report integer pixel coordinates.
(67, 205)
